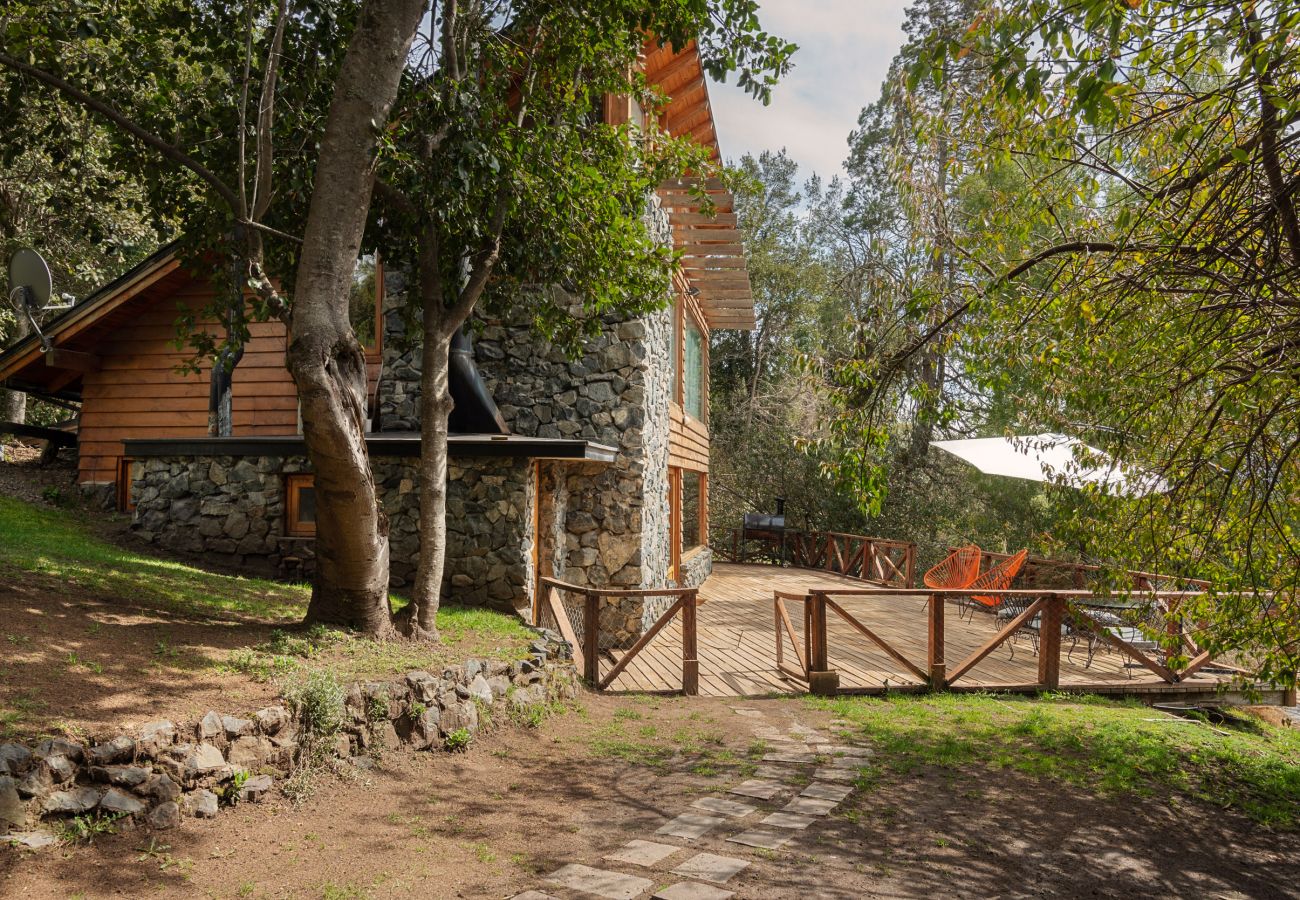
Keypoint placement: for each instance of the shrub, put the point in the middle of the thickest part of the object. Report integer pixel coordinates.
(318, 700)
(458, 741)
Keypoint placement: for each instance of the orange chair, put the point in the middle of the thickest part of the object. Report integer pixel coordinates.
(998, 578)
(956, 571)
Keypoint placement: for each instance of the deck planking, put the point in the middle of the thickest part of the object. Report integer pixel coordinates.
(736, 640)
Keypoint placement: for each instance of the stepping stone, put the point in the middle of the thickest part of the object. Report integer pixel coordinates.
(835, 792)
(768, 733)
(610, 885)
(689, 890)
(724, 806)
(837, 750)
(758, 788)
(848, 762)
(747, 712)
(710, 867)
(789, 756)
(533, 895)
(642, 853)
(690, 826)
(807, 806)
(767, 840)
(806, 733)
(829, 774)
(787, 820)
(771, 772)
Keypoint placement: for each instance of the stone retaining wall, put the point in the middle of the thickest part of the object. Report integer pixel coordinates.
(166, 771)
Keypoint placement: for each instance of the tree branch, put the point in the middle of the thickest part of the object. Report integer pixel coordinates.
(109, 112)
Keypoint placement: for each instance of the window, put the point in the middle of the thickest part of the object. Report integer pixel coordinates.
(300, 505)
(366, 301)
(127, 469)
(693, 372)
(693, 516)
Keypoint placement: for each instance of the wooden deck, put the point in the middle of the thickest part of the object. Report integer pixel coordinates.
(737, 644)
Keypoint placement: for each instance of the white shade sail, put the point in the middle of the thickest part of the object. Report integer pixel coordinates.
(1052, 458)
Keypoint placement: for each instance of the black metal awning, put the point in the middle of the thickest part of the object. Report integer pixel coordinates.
(380, 444)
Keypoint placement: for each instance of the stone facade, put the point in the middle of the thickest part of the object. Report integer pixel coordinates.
(164, 771)
(600, 525)
(234, 506)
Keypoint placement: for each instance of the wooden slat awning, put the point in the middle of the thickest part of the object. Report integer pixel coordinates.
(713, 260)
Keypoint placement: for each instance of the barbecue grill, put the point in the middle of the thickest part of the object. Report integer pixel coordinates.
(766, 528)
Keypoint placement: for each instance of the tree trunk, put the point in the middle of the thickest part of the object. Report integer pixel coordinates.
(13, 404)
(435, 411)
(325, 359)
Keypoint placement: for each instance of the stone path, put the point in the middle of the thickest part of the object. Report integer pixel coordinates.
(780, 804)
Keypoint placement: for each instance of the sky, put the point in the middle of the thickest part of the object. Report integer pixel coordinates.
(845, 47)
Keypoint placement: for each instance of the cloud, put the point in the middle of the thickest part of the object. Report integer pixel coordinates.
(845, 47)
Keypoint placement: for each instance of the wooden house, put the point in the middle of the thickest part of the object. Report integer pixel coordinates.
(600, 476)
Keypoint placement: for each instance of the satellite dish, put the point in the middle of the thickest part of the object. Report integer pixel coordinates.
(30, 284)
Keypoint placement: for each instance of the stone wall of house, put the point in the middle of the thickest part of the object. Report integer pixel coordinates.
(696, 568)
(235, 506)
(165, 771)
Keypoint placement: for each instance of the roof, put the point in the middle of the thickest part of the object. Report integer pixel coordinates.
(25, 366)
(713, 260)
(382, 444)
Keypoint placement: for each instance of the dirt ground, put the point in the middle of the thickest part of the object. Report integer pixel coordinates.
(493, 821)
(72, 663)
(21, 475)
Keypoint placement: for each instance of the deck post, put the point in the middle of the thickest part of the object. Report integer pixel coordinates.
(591, 639)
(1049, 643)
(938, 666)
(821, 679)
(690, 651)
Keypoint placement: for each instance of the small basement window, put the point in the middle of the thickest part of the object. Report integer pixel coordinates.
(300, 505)
(126, 472)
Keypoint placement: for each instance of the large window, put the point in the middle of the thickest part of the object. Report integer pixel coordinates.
(693, 372)
(365, 301)
(692, 517)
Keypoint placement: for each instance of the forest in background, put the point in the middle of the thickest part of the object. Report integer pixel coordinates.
(1074, 218)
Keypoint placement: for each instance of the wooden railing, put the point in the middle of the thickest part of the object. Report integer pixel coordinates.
(877, 560)
(1179, 659)
(1045, 572)
(575, 612)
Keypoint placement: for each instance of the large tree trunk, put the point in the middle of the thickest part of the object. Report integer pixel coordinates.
(327, 362)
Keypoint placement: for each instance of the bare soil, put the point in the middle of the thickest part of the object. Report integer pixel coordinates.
(522, 802)
(77, 664)
(23, 477)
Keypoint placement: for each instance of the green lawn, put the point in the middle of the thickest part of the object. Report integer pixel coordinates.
(57, 543)
(1085, 742)
(58, 546)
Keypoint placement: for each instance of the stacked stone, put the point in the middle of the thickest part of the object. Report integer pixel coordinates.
(233, 505)
(165, 771)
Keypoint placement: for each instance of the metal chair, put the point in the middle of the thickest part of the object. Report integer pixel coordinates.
(956, 570)
(998, 578)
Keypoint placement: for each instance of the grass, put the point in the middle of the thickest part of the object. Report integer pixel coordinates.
(56, 543)
(1084, 742)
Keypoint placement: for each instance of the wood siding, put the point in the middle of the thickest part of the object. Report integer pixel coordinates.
(688, 437)
(138, 393)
